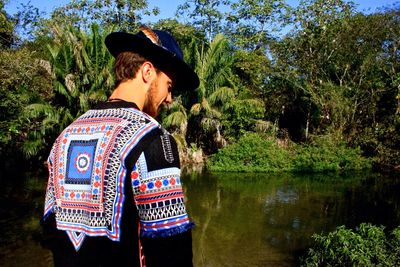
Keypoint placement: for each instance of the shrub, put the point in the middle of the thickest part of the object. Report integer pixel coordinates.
(252, 153)
(327, 154)
(366, 246)
(261, 153)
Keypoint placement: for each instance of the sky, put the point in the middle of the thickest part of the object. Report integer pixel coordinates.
(168, 7)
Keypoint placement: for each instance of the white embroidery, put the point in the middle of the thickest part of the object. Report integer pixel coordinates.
(167, 148)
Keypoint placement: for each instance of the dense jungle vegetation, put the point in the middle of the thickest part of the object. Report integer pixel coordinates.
(310, 88)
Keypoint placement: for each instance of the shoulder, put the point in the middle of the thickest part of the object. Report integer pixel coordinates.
(161, 151)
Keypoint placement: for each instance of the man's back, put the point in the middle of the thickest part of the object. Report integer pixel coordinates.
(110, 163)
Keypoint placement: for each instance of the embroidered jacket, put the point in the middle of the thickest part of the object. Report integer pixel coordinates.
(96, 157)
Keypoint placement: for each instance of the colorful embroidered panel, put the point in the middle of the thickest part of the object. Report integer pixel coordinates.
(80, 160)
(159, 199)
(87, 171)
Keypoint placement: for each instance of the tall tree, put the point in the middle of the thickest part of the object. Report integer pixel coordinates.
(123, 15)
(253, 26)
(340, 67)
(254, 23)
(7, 25)
(221, 109)
(205, 15)
(24, 78)
(303, 59)
(213, 65)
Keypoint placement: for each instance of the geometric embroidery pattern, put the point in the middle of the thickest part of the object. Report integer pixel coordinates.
(167, 149)
(87, 171)
(80, 159)
(159, 199)
(76, 238)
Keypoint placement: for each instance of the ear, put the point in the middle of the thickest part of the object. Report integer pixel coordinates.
(148, 71)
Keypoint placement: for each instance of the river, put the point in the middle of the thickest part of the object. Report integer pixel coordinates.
(241, 219)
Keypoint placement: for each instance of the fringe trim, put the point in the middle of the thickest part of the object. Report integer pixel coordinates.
(168, 232)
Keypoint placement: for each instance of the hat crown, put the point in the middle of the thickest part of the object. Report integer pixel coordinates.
(166, 41)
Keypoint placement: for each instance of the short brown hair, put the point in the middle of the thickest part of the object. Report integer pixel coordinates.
(127, 65)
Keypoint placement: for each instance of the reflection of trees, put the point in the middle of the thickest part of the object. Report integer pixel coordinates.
(204, 227)
(203, 203)
(246, 220)
(294, 212)
(228, 220)
(21, 206)
(375, 201)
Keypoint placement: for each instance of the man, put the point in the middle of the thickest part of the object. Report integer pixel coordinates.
(114, 195)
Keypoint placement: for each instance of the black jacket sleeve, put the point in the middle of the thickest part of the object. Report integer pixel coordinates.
(158, 163)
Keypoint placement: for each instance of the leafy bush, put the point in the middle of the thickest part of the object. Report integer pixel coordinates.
(252, 153)
(241, 115)
(366, 246)
(327, 154)
(261, 153)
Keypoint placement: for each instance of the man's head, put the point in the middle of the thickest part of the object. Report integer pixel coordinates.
(160, 48)
(156, 58)
(138, 80)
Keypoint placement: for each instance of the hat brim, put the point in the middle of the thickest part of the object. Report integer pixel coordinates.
(185, 79)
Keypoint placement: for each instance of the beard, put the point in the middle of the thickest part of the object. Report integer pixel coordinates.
(150, 106)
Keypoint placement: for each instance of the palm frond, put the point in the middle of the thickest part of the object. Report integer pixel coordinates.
(175, 119)
(83, 102)
(32, 146)
(38, 109)
(221, 96)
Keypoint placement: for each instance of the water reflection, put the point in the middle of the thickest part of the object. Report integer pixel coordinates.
(21, 205)
(267, 220)
(242, 219)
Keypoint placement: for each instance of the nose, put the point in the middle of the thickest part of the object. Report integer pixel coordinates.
(168, 99)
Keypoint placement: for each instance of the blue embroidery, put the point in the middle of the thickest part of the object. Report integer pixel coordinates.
(80, 161)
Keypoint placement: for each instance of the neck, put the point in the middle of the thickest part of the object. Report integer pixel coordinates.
(131, 91)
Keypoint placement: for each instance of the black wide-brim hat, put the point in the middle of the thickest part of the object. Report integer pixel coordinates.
(160, 48)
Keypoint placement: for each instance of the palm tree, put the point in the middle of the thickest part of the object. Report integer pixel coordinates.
(81, 69)
(213, 65)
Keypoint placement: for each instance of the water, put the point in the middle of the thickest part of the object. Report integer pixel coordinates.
(267, 220)
(242, 219)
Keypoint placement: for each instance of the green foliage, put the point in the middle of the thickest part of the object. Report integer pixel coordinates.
(29, 22)
(206, 15)
(255, 21)
(125, 15)
(260, 153)
(241, 115)
(82, 76)
(253, 67)
(367, 245)
(336, 72)
(213, 65)
(382, 145)
(175, 118)
(6, 27)
(24, 79)
(252, 153)
(328, 154)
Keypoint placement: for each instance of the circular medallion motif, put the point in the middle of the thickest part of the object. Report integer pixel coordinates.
(82, 162)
